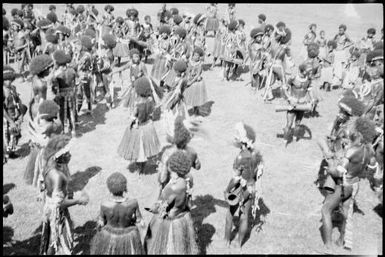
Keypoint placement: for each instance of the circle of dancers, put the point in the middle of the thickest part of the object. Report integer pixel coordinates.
(78, 57)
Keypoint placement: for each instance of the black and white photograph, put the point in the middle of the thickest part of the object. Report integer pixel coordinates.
(193, 128)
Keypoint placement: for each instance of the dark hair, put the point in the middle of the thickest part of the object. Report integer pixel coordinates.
(117, 183)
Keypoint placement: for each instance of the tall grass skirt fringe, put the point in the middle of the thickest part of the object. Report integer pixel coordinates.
(128, 100)
(30, 169)
(117, 241)
(121, 50)
(159, 68)
(196, 94)
(327, 75)
(212, 24)
(171, 236)
(170, 78)
(217, 48)
(139, 144)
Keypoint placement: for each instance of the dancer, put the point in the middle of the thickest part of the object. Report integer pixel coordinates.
(346, 173)
(171, 229)
(212, 23)
(195, 94)
(299, 99)
(244, 189)
(327, 71)
(57, 228)
(343, 42)
(63, 84)
(257, 57)
(162, 49)
(13, 110)
(119, 215)
(140, 141)
(137, 69)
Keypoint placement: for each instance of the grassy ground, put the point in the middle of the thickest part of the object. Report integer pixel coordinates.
(292, 202)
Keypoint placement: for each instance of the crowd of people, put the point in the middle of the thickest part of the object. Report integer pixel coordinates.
(76, 57)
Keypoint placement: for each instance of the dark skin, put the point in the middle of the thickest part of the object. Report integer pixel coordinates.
(354, 164)
(120, 215)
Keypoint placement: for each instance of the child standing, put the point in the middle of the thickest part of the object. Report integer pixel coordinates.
(195, 94)
(327, 66)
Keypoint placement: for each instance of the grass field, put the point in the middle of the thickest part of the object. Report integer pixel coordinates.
(292, 202)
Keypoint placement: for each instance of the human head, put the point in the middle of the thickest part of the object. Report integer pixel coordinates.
(143, 87)
(198, 53)
(135, 55)
(331, 45)
(322, 34)
(362, 130)
(147, 19)
(341, 29)
(40, 65)
(180, 67)
(9, 75)
(313, 27)
(61, 58)
(117, 184)
(261, 18)
(371, 32)
(302, 68)
(257, 34)
(179, 163)
(375, 63)
(182, 135)
(52, 8)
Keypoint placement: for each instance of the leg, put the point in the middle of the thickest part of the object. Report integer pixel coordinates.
(244, 222)
(298, 119)
(290, 116)
(229, 223)
(331, 203)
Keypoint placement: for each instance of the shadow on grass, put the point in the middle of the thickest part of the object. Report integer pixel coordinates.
(80, 179)
(8, 187)
(257, 222)
(205, 205)
(29, 246)
(84, 235)
(149, 168)
(87, 122)
(378, 210)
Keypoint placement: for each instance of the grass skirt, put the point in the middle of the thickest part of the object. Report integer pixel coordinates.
(171, 236)
(117, 241)
(159, 68)
(212, 24)
(196, 94)
(139, 144)
(121, 50)
(327, 75)
(218, 49)
(30, 169)
(128, 101)
(170, 78)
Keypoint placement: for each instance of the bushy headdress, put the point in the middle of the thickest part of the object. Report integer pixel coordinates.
(332, 43)
(56, 144)
(256, 31)
(48, 110)
(40, 63)
(117, 183)
(365, 127)
(244, 135)
(109, 40)
(165, 29)
(8, 73)
(181, 134)
(180, 163)
(143, 87)
(351, 105)
(52, 17)
(312, 50)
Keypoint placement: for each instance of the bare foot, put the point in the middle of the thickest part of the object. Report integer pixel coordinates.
(227, 243)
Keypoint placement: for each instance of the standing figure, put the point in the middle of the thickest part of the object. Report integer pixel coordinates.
(244, 189)
(121, 49)
(257, 57)
(232, 54)
(146, 35)
(57, 237)
(13, 111)
(118, 233)
(180, 50)
(212, 23)
(161, 51)
(195, 94)
(198, 33)
(310, 37)
(84, 68)
(41, 129)
(299, 98)
(52, 42)
(327, 71)
(64, 84)
(262, 21)
(218, 42)
(140, 140)
(171, 229)
(352, 70)
(313, 67)
(231, 12)
(343, 42)
(278, 53)
(136, 69)
(322, 42)
(344, 176)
